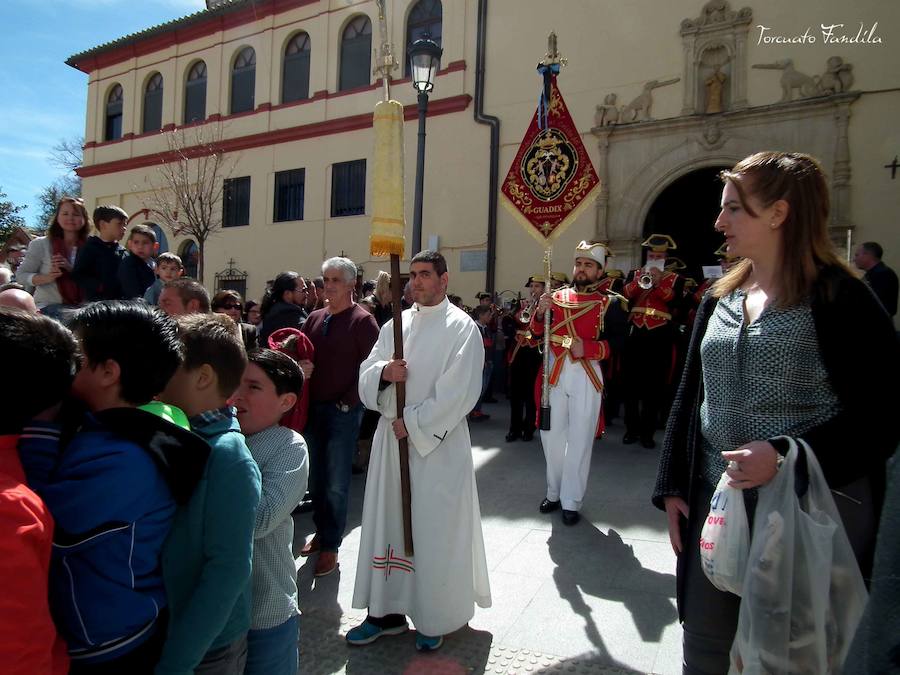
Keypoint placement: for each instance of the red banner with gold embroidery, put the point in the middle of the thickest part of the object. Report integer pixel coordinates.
(551, 181)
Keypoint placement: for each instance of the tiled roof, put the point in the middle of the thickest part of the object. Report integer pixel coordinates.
(225, 7)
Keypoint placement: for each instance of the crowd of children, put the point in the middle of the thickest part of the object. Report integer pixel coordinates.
(149, 487)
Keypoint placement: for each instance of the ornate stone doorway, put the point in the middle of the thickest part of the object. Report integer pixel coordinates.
(686, 210)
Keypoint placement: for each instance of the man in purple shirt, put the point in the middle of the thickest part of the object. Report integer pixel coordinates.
(343, 334)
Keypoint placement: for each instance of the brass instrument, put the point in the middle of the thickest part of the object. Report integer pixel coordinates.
(645, 281)
(526, 314)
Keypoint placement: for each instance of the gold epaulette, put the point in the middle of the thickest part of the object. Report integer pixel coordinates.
(621, 298)
(615, 274)
(578, 305)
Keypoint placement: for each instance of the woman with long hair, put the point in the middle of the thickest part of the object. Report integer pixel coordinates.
(787, 343)
(282, 305)
(49, 259)
(381, 299)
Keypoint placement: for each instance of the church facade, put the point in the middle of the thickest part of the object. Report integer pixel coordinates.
(664, 96)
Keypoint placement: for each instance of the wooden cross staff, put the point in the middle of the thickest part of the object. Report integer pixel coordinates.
(385, 64)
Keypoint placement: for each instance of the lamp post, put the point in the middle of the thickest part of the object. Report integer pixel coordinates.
(425, 56)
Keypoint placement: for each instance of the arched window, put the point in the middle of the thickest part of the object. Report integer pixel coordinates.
(295, 72)
(113, 128)
(356, 54)
(195, 94)
(425, 17)
(153, 101)
(190, 258)
(243, 81)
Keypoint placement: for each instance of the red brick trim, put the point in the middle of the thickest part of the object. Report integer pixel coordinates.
(344, 124)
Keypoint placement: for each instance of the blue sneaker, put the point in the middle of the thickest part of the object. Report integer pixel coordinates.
(426, 643)
(367, 632)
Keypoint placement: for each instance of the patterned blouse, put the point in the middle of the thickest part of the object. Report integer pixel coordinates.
(762, 379)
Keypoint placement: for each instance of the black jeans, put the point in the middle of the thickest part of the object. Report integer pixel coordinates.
(710, 615)
(523, 372)
(648, 357)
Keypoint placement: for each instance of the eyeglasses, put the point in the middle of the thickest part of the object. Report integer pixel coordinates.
(232, 306)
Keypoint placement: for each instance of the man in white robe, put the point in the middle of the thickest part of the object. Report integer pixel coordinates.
(442, 366)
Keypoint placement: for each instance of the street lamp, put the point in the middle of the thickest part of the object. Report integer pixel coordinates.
(424, 56)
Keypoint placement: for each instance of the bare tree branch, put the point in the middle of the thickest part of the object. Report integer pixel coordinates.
(187, 188)
(67, 154)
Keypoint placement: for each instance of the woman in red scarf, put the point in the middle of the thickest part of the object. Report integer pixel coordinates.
(49, 259)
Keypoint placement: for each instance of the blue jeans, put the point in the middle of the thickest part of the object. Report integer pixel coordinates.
(273, 651)
(331, 437)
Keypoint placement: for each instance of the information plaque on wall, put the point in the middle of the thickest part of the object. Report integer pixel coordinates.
(473, 261)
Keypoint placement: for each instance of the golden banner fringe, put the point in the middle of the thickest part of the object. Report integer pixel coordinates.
(573, 215)
(382, 247)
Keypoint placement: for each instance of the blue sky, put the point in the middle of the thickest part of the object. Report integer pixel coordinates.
(44, 99)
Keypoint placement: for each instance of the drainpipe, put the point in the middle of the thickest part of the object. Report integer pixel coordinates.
(494, 123)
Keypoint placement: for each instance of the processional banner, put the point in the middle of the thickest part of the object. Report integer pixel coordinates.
(551, 181)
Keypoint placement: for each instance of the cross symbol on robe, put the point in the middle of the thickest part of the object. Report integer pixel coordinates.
(893, 166)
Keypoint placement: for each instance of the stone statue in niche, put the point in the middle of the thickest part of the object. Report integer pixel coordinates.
(715, 84)
(607, 113)
(791, 79)
(639, 109)
(838, 76)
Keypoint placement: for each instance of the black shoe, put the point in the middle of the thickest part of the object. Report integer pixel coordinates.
(629, 438)
(570, 517)
(528, 436)
(547, 506)
(648, 443)
(512, 436)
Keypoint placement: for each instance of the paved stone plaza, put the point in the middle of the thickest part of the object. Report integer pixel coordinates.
(598, 597)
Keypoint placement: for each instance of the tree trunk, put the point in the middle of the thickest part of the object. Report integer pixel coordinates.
(201, 247)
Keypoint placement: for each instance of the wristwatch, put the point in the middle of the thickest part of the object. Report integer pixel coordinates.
(343, 407)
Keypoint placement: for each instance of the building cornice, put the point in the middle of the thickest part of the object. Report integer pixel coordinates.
(436, 107)
(200, 24)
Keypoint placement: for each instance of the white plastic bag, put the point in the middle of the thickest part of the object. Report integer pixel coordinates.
(803, 593)
(725, 538)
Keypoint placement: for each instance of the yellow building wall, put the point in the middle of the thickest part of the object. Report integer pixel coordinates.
(611, 47)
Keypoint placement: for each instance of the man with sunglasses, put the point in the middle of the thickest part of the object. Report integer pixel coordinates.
(342, 334)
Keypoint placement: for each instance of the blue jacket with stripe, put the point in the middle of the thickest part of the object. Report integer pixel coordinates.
(112, 493)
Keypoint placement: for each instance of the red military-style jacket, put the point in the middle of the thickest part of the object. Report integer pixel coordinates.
(652, 308)
(576, 314)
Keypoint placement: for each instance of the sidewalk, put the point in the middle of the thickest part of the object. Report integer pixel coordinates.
(598, 597)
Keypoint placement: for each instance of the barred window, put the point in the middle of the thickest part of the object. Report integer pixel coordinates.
(356, 54)
(289, 192)
(153, 104)
(195, 94)
(243, 81)
(348, 188)
(113, 127)
(236, 202)
(424, 19)
(295, 71)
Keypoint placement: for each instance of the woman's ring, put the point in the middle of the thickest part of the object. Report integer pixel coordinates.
(734, 465)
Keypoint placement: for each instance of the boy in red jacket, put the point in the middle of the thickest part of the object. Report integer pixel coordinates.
(40, 356)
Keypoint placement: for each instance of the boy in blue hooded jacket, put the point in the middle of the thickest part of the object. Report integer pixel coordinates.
(112, 490)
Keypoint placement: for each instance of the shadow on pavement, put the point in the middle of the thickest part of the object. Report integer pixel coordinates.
(574, 577)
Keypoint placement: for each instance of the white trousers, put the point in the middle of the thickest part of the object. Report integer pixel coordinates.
(574, 411)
